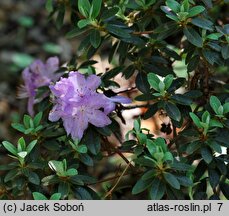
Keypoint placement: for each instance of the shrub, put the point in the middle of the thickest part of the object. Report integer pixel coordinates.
(69, 134)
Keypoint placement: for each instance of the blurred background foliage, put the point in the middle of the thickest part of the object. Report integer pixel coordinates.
(26, 33)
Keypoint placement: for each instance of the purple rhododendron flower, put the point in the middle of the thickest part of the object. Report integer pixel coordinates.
(77, 103)
(37, 75)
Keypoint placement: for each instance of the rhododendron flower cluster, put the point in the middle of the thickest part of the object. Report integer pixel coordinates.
(77, 103)
(37, 75)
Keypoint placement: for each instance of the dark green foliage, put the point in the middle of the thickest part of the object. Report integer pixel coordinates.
(176, 53)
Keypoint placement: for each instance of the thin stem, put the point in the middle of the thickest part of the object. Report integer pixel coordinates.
(143, 32)
(119, 179)
(119, 153)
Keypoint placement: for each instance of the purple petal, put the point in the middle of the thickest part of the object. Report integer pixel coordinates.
(98, 118)
(93, 82)
(52, 65)
(76, 125)
(55, 114)
(37, 67)
(79, 82)
(68, 124)
(30, 106)
(120, 99)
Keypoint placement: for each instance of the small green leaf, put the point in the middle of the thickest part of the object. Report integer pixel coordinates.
(31, 146)
(34, 178)
(161, 86)
(63, 189)
(37, 119)
(214, 36)
(153, 81)
(182, 15)
(118, 31)
(193, 63)
(49, 6)
(141, 185)
(181, 99)
(173, 17)
(211, 56)
(180, 166)
(10, 147)
(39, 196)
(185, 181)
(149, 174)
(168, 81)
(206, 117)
(196, 120)
(86, 159)
(214, 177)
(172, 180)
(158, 156)
(225, 51)
(172, 111)
(151, 146)
(173, 5)
(11, 175)
(18, 127)
(22, 154)
(75, 32)
(107, 14)
(195, 11)
(157, 189)
(168, 156)
(82, 149)
(215, 146)
(95, 38)
(202, 23)
(21, 144)
(215, 103)
(193, 36)
(55, 196)
(193, 146)
(84, 7)
(151, 111)
(226, 108)
(137, 125)
(215, 123)
(83, 22)
(71, 172)
(57, 166)
(96, 8)
(26, 121)
(206, 154)
(142, 83)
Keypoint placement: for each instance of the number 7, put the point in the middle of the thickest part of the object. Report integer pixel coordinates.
(220, 205)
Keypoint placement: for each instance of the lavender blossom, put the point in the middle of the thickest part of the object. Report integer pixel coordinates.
(37, 75)
(77, 103)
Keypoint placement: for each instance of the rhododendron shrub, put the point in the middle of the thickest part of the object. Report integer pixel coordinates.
(73, 144)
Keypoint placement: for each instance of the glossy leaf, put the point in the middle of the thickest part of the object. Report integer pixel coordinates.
(157, 189)
(193, 36)
(195, 10)
(141, 186)
(39, 196)
(154, 81)
(171, 180)
(10, 147)
(95, 38)
(172, 111)
(84, 7)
